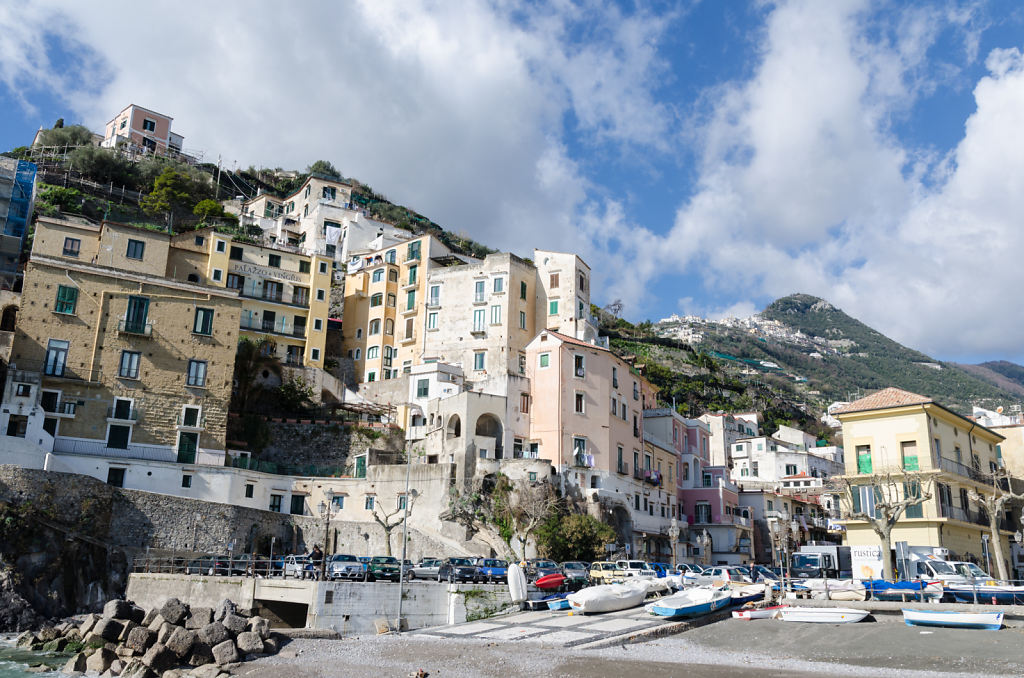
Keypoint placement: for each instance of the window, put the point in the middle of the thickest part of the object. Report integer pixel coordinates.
(615, 406)
(478, 291)
(479, 360)
(408, 328)
(368, 503)
(554, 281)
(495, 315)
(413, 251)
(412, 274)
(218, 275)
(790, 469)
(136, 248)
(196, 373)
(553, 307)
(753, 468)
(707, 479)
(221, 244)
(249, 490)
(359, 354)
(422, 388)
(376, 300)
(392, 300)
(410, 300)
(274, 260)
(314, 354)
(579, 400)
(72, 247)
(499, 285)
(522, 320)
(377, 276)
(24, 391)
(273, 291)
(863, 459)
(203, 322)
(522, 364)
(522, 289)
(373, 352)
(115, 477)
(908, 452)
(329, 251)
(434, 298)
(129, 365)
(67, 298)
(338, 501)
(432, 321)
(275, 503)
(118, 436)
(321, 295)
(615, 380)
(148, 125)
(298, 506)
(524, 403)
(636, 391)
(56, 357)
(235, 281)
(479, 320)
(186, 480)
(702, 513)
(577, 366)
(374, 328)
(545, 359)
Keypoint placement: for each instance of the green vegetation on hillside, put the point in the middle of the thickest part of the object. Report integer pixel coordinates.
(1011, 371)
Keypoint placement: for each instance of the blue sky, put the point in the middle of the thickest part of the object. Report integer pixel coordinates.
(703, 157)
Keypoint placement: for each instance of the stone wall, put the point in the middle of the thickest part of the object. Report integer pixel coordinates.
(324, 444)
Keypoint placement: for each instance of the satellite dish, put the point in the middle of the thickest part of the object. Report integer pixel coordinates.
(999, 410)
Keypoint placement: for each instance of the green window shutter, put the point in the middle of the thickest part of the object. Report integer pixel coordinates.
(67, 298)
(878, 499)
(910, 464)
(855, 497)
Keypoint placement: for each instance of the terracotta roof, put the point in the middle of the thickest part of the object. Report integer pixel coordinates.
(802, 474)
(573, 340)
(884, 399)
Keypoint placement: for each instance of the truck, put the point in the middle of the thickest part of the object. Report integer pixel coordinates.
(930, 564)
(821, 561)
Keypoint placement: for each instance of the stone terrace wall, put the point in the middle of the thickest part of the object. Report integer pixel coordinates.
(324, 444)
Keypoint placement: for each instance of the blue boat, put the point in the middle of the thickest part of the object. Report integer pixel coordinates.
(996, 595)
(558, 601)
(690, 603)
(989, 621)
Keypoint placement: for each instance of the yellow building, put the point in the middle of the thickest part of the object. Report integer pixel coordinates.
(124, 346)
(896, 432)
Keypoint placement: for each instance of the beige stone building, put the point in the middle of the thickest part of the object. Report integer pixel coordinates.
(894, 432)
(123, 346)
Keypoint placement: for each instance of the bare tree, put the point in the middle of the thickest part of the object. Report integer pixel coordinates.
(532, 504)
(994, 505)
(392, 520)
(893, 493)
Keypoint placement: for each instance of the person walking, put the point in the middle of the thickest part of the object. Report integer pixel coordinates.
(316, 559)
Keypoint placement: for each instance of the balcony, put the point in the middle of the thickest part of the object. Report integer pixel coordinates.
(580, 460)
(652, 477)
(61, 409)
(298, 299)
(479, 299)
(196, 423)
(638, 473)
(122, 414)
(135, 327)
(278, 326)
(98, 448)
(31, 371)
(294, 361)
(623, 468)
(961, 469)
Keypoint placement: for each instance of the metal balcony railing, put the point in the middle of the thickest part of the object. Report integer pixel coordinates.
(623, 468)
(961, 469)
(121, 414)
(196, 423)
(137, 327)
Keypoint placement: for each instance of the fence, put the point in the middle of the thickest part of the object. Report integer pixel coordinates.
(99, 448)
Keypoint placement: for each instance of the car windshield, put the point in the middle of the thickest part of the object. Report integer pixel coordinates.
(428, 562)
(461, 561)
(972, 570)
(941, 567)
(574, 566)
(494, 563)
(764, 571)
(801, 560)
(342, 558)
(545, 563)
(384, 560)
(636, 565)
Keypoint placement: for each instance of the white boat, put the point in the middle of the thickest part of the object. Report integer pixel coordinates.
(822, 615)
(833, 589)
(990, 621)
(757, 612)
(659, 585)
(748, 593)
(690, 603)
(516, 583)
(608, 597)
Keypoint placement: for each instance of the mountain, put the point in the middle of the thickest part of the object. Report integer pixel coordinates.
(829, 356)
(1006, 375)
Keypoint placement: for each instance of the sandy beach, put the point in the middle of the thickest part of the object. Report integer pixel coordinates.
(729, 649)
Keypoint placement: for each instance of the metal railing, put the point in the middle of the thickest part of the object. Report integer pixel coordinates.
(200, 422)
(24, 370)
(98, 448)
(961, 469)
(131, 414)
(137, 327)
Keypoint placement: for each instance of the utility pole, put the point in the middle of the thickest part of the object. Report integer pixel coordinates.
(217, 194)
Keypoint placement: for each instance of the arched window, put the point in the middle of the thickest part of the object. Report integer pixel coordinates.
(359, 354)
(374, 328)
(393, 275)
(378, 275)
(389, 327)
(377, 299)
(387, 351)
(372, 352)
(390, 257)
(359, 333)
(454, 427)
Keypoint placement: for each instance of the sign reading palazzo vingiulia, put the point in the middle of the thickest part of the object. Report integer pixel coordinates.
(264, 272)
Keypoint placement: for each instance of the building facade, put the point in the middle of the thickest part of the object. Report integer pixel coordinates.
(726, 429)
(17, 197)
(143, 129)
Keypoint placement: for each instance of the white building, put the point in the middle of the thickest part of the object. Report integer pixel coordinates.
(726, 429)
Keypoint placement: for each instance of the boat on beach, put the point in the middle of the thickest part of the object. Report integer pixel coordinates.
(822, 615)
(557, 603)
(690, 603)
(832, 589)
(905, 591)
(747, 594)
(983, 593)
(757, 612)
(989, 621)
(608, 597)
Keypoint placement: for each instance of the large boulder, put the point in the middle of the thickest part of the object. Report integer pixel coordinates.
(108, 629)
(128, 627)
(47, 633)
(234, 623)
(88, 623)
(200, 617)
(165, 632)
(137, 669)
(137, 614)
(272, 645)
(140, 639)
(55, 645)
(213, 634)
(202, 654)
(249, 643)
(26, 639)
(117, 609)
(150, 616)
(116, 666)
(180, 642)
(100, 660)
(260, 626)
(174, 611)
(159, 658)
(225, 653)
(156, 622)
(225, 608)
(76, 664)
(206, 671)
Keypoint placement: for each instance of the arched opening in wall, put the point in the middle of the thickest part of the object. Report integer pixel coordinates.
(9, 319)
(489, 426)
(454, 427)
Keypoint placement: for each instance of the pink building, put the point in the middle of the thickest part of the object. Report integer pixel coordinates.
(720, 530)
(143, 129)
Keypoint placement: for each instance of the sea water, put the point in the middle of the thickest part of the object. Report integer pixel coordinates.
(15, 661)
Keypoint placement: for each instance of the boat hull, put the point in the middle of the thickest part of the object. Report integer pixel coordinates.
(759, 613)
(822, 615)
(690, 604)
(550, 581)
(988, 621)
(607, 598)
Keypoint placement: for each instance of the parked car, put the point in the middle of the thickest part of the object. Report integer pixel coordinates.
(604, 572)
(540, 567)
(297, 566)
(662, 569)
(492, 569)
(687, 568)
(383, 567)
(636, 568)
(762, 573)
(425, 569)
(240, 565)
(344, 566)
(723, 574)
(458, 569)
(576, 569)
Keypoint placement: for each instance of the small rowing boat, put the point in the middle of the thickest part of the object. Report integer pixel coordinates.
(990, 621)
(690, 603)
(747, 594)
(550, 581)
(757, 612)
(822, 615)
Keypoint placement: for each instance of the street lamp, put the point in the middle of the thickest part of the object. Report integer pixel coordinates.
(325, 513)
(673, 534)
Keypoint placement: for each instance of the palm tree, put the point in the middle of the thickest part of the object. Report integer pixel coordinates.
(251, 359)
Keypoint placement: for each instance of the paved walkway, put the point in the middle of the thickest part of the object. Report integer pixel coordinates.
(565, 629)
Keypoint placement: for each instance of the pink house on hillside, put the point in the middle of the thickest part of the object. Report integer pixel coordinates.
(143, 129)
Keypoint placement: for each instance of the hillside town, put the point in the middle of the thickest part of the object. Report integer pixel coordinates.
(366, 390)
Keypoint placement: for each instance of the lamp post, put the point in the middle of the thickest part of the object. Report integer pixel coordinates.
(784, 536)
(325, 513)
(409, 496)
(673, 534)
